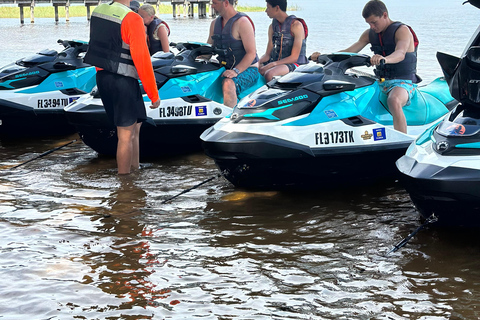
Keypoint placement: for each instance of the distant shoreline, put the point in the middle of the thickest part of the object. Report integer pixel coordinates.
(48, 11)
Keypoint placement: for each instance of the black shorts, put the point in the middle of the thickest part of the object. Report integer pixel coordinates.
(121, 98)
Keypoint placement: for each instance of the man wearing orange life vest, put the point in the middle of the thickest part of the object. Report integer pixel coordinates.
(118, 49)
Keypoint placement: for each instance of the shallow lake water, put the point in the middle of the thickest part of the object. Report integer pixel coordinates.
(80, 242)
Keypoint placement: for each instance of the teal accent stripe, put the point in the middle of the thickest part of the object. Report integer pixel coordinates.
(268, 114)
(473, 145)
(427, 135)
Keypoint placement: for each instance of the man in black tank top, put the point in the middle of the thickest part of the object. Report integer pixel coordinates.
(396, 44)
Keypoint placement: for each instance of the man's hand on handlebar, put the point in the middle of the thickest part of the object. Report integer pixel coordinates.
(375, 60)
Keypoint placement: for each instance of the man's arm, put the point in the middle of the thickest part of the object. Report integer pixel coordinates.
(133, 33)
(162, 34)
(360, 44)
(210, 33)
(403, 40)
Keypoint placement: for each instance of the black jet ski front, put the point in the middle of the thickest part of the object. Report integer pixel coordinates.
(319, 126)
(441, 169)
(34, 90)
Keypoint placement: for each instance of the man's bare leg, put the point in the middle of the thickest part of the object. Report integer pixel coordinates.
(229, 93)
(125, 148)
(397, 99)
(136, 148)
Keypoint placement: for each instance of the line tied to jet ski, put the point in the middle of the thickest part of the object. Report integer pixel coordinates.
(194, 187)
(431, 219)
(44, 154)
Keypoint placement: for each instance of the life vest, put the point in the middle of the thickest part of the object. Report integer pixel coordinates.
(155, 45)
(385, 45)
(106, 48)
(223, 39)
(283, 40)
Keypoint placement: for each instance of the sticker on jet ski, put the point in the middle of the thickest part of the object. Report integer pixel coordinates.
(52, 103)
(334, 137)
(174, 111)
(201, 111)
(379, 134)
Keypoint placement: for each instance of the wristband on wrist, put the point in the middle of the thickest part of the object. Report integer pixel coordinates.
(236, 70)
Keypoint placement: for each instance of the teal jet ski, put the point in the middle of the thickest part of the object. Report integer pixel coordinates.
(34, 90)
(190, 88)
(324, 124)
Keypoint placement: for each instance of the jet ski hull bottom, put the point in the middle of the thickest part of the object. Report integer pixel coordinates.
(155, 141)
(27, 123)
(265, 166)
(453, 194)
(157, 137)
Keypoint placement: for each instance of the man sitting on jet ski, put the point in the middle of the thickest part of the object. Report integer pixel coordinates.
(234, 32)
(286, 47)
(395, 44)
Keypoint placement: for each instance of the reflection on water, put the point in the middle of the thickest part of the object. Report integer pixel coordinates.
(80, 241)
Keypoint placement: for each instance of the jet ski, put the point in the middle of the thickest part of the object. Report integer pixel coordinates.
(190, 88)
(34, 90)
(322, 125)
(441, 169)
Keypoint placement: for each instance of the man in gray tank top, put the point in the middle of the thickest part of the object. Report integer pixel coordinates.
(234, 33)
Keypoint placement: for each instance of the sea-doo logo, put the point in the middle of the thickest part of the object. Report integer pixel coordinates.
(27, 74)
(217, 111)
(290, 100)
(443, 146)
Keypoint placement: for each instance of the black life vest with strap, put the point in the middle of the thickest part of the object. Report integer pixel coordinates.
(155, 45)
(106, 48)
(223, 39)
(384, 44)
(283, 40)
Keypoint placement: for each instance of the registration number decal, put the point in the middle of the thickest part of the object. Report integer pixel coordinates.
(52, 103)
(169, 112)
(334, 137)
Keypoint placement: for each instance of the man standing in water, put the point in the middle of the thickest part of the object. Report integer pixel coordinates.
(286, 47)
(118, 49)
(396, 44)
(234, 32)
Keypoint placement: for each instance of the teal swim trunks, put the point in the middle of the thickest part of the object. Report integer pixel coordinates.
(388, 85)
(246, 79)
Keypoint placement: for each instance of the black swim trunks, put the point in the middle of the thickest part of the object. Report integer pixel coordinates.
(121, 98)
